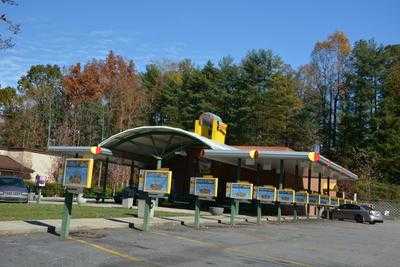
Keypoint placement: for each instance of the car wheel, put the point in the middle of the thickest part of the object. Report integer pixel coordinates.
(359, 218)
(371, 222)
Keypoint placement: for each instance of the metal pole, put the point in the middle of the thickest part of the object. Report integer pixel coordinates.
(146, 216)
(281, 178)
(197, 212)
(239, 165)
(319, 192)
(66, 215)
(39, 195)
(296, 175)
(131, 181)
(259, 212)
(233, 212)
(159, 162)
(49, 126)
(259, 205)
(105, 181)
(328, 182)
(308, 188)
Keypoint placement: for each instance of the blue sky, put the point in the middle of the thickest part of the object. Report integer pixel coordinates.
(66, 32)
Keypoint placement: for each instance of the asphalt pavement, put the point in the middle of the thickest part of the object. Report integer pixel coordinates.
(306, 243)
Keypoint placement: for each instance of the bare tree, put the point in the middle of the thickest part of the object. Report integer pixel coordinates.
(6, 39)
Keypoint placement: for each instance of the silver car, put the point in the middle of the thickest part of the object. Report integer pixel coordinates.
(13, 189)
(359, 213)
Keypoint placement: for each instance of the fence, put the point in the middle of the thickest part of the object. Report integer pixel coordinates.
(389, 208)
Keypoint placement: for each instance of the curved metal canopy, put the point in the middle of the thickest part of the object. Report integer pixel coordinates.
(155, 142)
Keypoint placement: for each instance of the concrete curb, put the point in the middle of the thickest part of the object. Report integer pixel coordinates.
(54, 226)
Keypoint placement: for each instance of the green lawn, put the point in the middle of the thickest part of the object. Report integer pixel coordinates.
(17, 211)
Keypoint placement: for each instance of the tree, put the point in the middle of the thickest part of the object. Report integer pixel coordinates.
(329, 61)
(6, 39)
(388, 130)
(279, 111)
(111, 91)
(33, 113)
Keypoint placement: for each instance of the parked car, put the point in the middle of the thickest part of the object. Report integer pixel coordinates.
(13, 189)
(127, 192)
(359, 213)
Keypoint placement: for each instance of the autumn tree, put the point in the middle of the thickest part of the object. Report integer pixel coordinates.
(108, 89)
(329, 67)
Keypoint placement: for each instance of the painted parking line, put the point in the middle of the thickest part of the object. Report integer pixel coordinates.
(107, 250)
(188, 239)
(235, 249)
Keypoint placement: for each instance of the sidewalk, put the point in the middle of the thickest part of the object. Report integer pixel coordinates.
(24, 227)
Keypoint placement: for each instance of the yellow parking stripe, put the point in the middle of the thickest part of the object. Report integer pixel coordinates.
(107, 250)
(188, 239)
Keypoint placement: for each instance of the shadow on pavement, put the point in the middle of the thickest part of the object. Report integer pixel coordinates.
(51, 229)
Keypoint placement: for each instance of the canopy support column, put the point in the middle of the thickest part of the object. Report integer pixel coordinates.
(131, 180)
(238, 169)
(296, 176)
(259, 206)
(308, 188)
(319, 192)
(159, 163)
(281, 181)
(105, 181)
(328, 184)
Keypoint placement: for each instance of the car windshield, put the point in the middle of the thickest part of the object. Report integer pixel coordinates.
(10, 181)
(366, 207)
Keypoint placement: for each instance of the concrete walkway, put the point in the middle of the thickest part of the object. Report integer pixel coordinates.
(23, 227)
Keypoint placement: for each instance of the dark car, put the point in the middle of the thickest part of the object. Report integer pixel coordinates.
(127, 192)
(359, 213)
(13, 189)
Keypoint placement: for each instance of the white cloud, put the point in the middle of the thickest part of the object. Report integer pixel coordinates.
(53, 46)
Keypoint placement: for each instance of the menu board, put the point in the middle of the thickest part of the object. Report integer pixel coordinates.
(324, 200)
(265, 193)
(157, 181)
(78, 173)
(240, 190)
(285, 196)
(301, 197)
(313, 199)
(204, 186)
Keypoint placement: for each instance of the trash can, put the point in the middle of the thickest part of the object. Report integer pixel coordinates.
(127, 202)
(141, 204)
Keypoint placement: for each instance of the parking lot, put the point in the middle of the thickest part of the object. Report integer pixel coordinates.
(309, 243)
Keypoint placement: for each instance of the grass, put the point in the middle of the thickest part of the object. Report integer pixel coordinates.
(33, 211)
